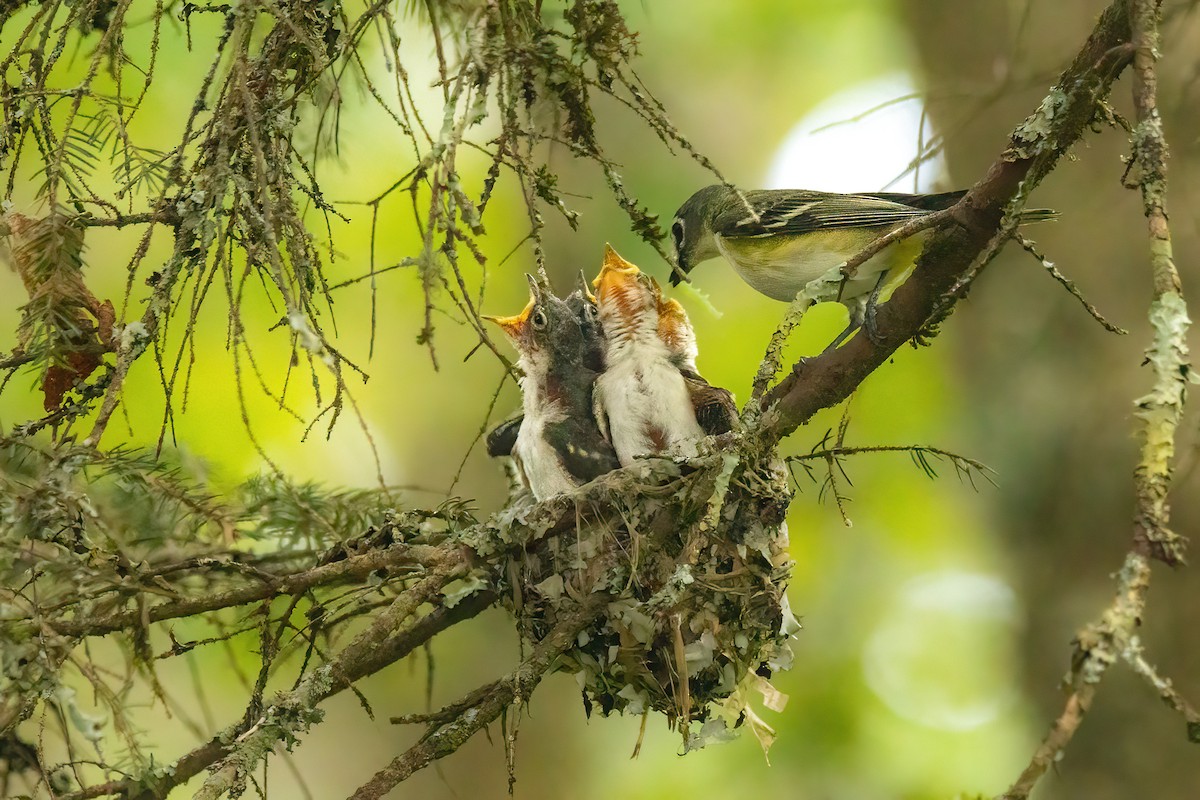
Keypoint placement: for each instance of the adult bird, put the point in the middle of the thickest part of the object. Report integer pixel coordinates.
(779, 240)
(558, 445)
(642, 400)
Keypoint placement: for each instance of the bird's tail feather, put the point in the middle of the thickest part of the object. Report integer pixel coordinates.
(1030, 215)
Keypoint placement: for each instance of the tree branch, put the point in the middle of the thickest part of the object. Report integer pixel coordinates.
(1162, 409)
(1165, 689)
(952, 250)
(1113, 636)
(390, 636)
(1049, 751)
(1097, 647)
(443, 739)
(386, 652)
(353, 568)
(293, 713)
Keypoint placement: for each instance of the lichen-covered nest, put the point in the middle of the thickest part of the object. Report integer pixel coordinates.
(696, 560)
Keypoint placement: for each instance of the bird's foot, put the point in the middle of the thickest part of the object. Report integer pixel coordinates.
(871, 324)
(871, 312)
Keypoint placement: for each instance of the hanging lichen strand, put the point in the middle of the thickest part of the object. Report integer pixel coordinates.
(238, 189)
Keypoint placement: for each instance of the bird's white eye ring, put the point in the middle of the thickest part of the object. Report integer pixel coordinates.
(590, 310)
(677, 232)
(538, 319)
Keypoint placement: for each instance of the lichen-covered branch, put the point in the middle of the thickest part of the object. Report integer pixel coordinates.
(473, 560)
(264, 584)
(1113, 636)
(1161, 410)
(1097, 647)
(386, 652)
(237, 181)
(470, 717)
(1167, 692)
(952, 251)
(1051, 748)
(291, 714)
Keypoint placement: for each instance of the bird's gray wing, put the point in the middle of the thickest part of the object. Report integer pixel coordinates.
(793, 212)
(929, 202)
(584, 453)
(503, 438)
(714, 407)
(600, 413)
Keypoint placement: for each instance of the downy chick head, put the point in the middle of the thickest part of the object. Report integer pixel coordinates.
(625, 299)
(545, 334)
(675, 331)
(691, 232)
(583, 305)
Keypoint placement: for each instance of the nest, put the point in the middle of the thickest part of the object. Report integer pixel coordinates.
(697, 569)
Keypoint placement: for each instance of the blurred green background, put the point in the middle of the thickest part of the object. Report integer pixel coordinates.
(936, 627)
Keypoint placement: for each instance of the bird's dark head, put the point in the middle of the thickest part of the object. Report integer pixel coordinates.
(546, 333)
(583, 305)
(675, 331)
(691, 232)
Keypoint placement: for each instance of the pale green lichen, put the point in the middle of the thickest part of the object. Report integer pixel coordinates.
(1160, 412)
(1162, 408)
(459, 590)
(1149, 153)
(1035, 135)
(716, 502)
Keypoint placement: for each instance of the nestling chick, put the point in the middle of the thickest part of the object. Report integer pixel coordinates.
(558, 445)
(642, 400)
(582, 304)
(714, 407)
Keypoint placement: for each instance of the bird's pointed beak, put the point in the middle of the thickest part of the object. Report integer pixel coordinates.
(513, 326)
(615, 273)
(620, 291)
(680, 270)
(516, 325)
(670, 317)
(584, 288)
(537, 284)
(681, 265)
